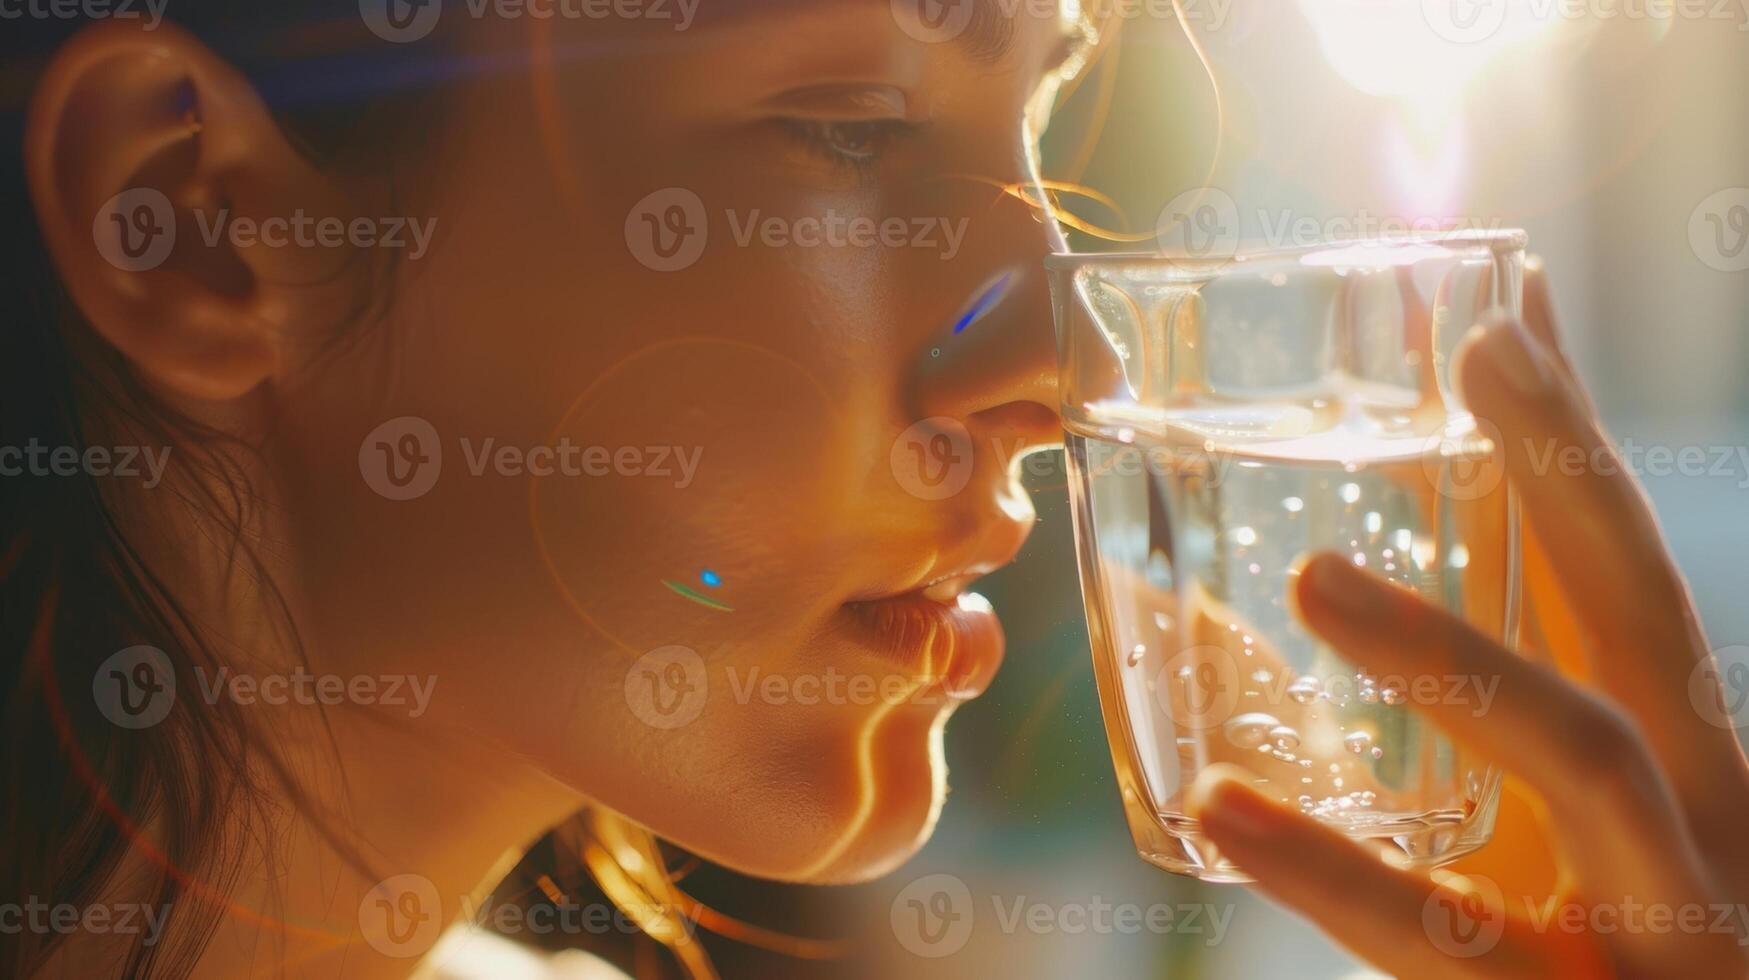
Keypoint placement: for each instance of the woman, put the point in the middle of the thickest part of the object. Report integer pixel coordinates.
(546, 406)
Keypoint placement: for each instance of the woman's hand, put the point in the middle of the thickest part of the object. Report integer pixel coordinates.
(1644, 780)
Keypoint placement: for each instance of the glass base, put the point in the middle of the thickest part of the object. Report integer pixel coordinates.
(1177, 844)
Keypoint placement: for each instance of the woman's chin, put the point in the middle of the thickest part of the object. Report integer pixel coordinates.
(891, 813)
(871, 802)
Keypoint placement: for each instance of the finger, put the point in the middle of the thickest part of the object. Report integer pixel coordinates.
(1704, 762)
(1574, 485)
(1539, 316)
(1642, 639)
(1404, 922)
(1585, 757)
(1549, 624)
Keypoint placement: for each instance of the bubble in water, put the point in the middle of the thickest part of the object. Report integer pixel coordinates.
(1304, 690)
(1261, 676)
(1251, 730)
(1285, 737)
(1357, 742)
(1369, 688)
(1137, 652)
(1391, 695)
(1332, 805)
(1377, 752)
(1162, 620)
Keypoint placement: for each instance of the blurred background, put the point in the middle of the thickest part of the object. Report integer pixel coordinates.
(1618, 142)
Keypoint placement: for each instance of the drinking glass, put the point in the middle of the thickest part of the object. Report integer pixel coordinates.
(1226, 416)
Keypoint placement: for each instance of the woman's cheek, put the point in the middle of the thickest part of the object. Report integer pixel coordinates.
(707, 512)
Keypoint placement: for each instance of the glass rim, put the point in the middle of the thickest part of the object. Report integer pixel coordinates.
(1496, 240)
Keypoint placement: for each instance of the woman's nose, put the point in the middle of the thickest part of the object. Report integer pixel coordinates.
(995, 366)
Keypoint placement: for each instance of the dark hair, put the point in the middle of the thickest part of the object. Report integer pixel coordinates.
(73, 587)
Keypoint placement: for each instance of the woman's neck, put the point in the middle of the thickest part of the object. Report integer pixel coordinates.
(353, 873)
(400, 836)
(367, 827)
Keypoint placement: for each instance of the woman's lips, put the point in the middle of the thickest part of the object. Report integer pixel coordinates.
(939, 634)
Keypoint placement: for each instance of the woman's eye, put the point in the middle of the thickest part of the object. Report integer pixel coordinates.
(857, 142)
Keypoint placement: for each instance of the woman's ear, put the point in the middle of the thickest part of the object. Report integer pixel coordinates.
(144, 153)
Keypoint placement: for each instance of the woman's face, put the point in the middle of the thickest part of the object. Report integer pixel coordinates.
(696, 466)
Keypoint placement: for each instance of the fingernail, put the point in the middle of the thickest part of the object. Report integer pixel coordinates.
(1223, 800)
(1331, 582)
(1508, 347)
